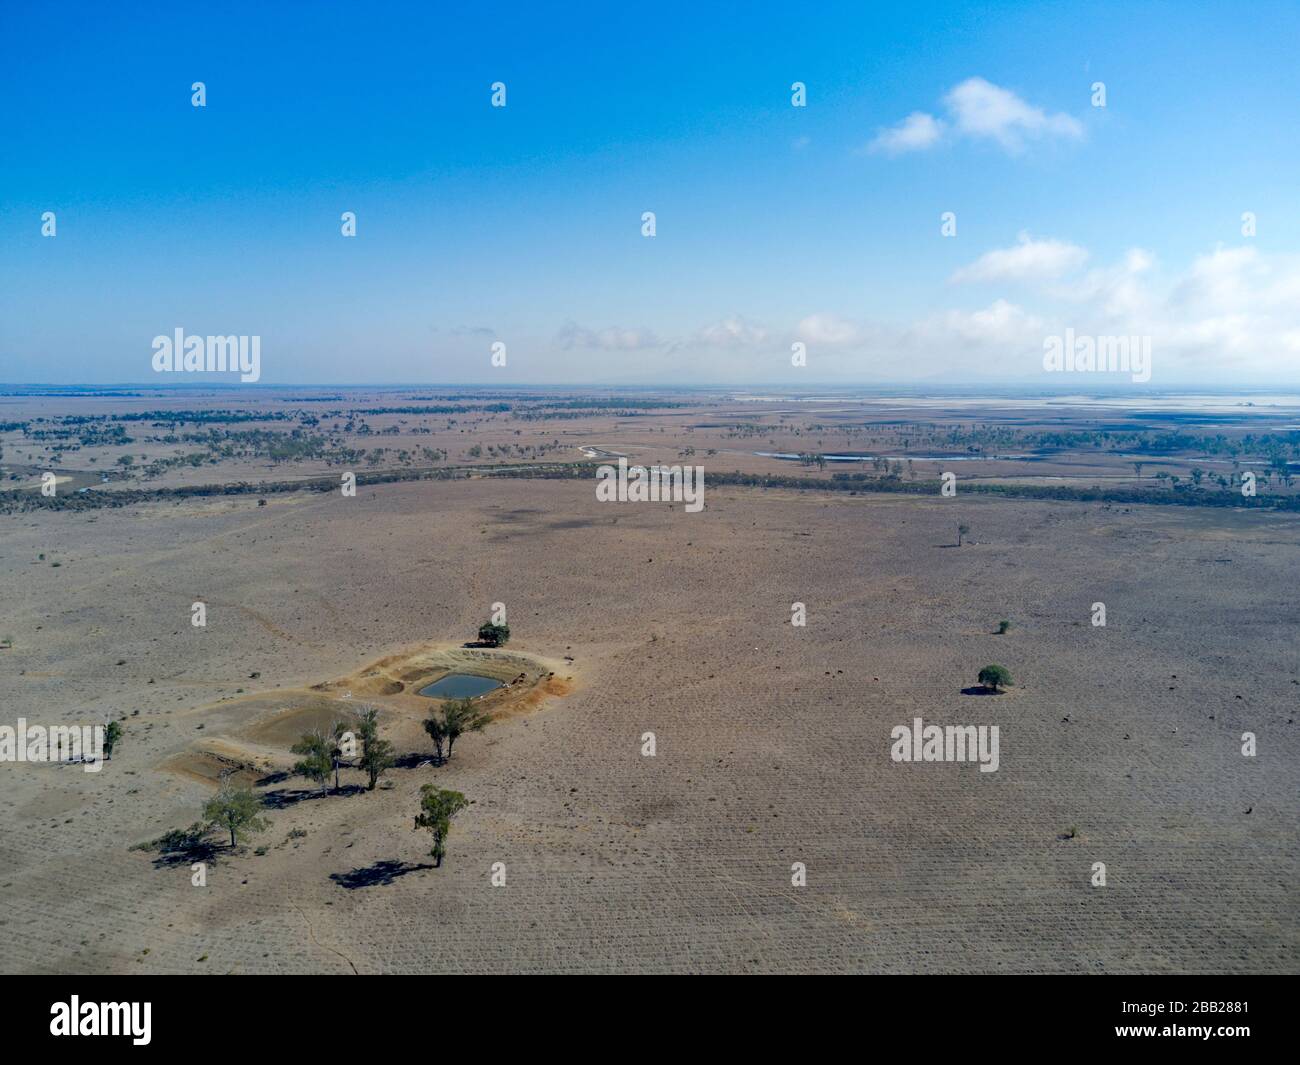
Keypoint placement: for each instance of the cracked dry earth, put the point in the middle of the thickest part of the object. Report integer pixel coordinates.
(772, 741)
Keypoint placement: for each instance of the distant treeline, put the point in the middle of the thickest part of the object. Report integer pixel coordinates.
(204, 416)
(541, 414)
(855, 483)
(613, 403)
(444, 408)
(852, 483)
(19, 501)
(1140, 442)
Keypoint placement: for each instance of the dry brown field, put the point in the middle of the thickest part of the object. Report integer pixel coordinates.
(1119, 744)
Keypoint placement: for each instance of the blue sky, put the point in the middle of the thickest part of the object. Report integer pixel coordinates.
(775, 223)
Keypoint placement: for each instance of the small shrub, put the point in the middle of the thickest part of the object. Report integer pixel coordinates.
(994, 676)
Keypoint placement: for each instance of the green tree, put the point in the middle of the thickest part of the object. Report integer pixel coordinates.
(320, 755)
(377, 754)
(492, 634)
(437, 730)
(437, 807)
(112, 733)
(993, 676)
(962, 531)
(461, 716)
(236, 810)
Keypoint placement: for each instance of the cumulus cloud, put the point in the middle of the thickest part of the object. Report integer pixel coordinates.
(733, 332)
(1231, 314)
(979, 110)
(829, 330)
(1027, 260)
(612, 338)
(1117, 292)
(1001, 323)
(982, 109)
(918, 130)
(1239, 306)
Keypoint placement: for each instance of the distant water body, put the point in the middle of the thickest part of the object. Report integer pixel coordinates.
(1219, 403)
(897, 458)
(460, 686)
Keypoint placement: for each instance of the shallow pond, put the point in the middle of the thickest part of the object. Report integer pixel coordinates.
(459, 686)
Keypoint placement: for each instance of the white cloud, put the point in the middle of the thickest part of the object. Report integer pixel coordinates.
(733, 332)
(828, 330)
(1115, 293)
(982, 109)
(1237, 308)
(918, 130)
(612, 338)
(977, 109)
(1230, 316)
(999, 323)
(1027, 260)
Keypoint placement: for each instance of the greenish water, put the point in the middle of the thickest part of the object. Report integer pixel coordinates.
(459, 686)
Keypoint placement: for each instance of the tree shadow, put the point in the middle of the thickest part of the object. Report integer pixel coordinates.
(283, 798)
(273, 778)
(414, 760)
(187, 853)
(381, 872)
(979, 689)
(206, 853)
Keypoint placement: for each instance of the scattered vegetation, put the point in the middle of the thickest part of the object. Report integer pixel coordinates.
(437, 807)
(461, 716)
(993, 677)
(112, 733)
(320, 753)
(236, 810)
(181, 843)
(437, 731)
(451, 721)
(377, 755)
